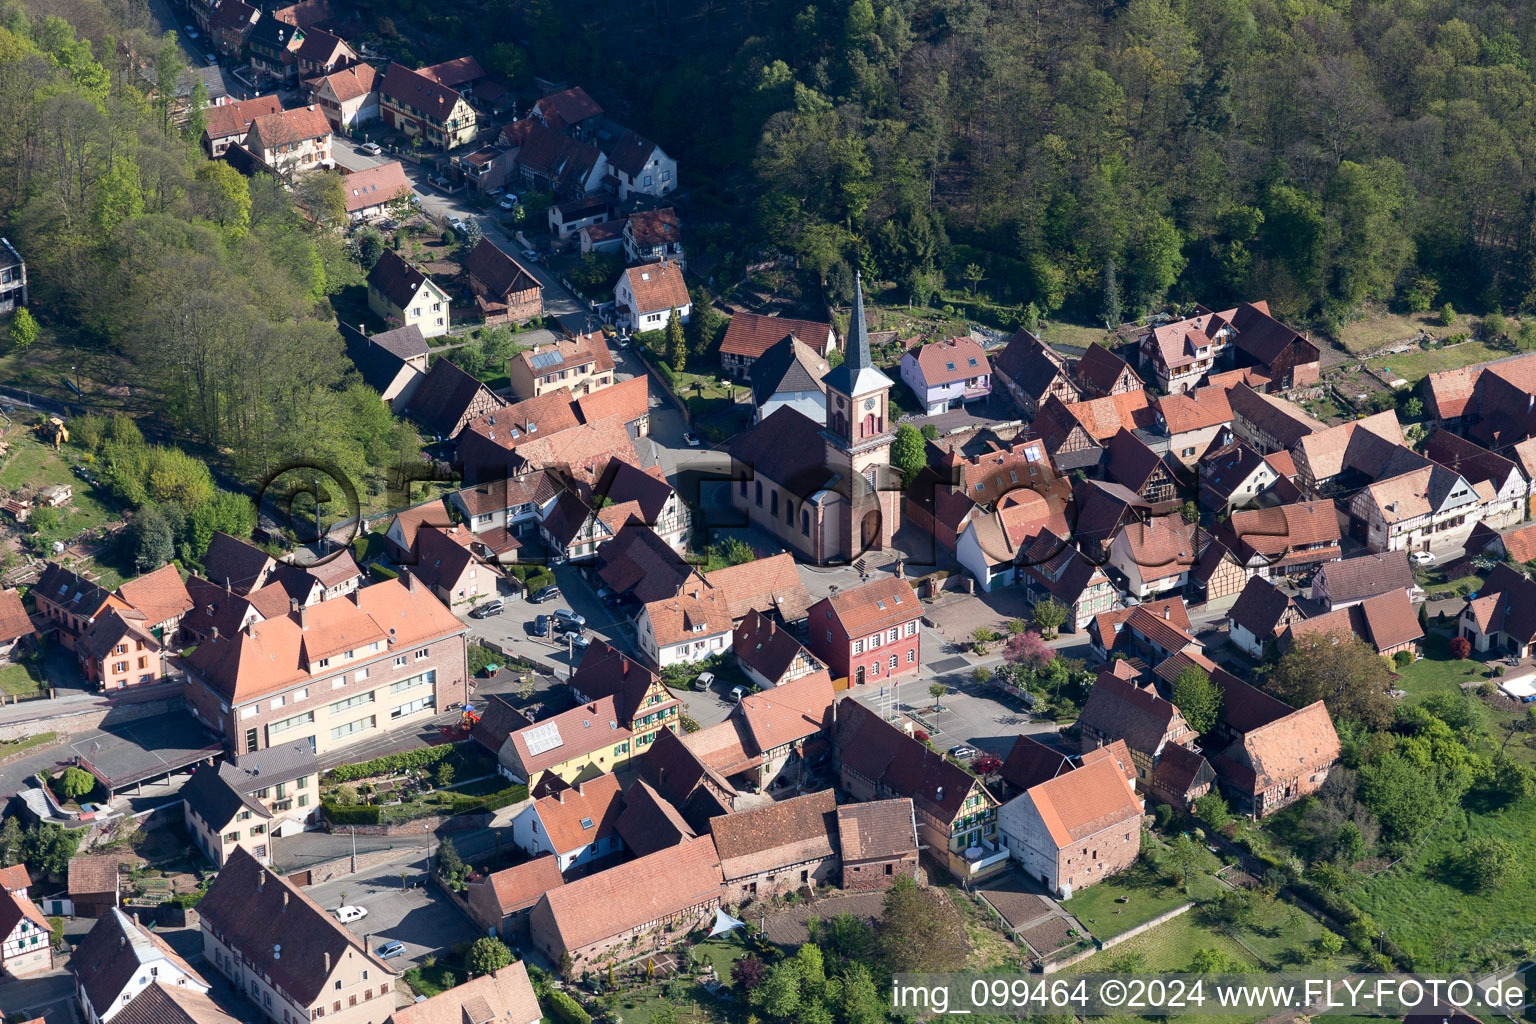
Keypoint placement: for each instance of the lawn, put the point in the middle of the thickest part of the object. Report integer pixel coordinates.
(17, 746)
(1166, 949)
(1143, 891)
(19, 681)
(1449, 587)
(1437, 671)
(1377, 332)
(1442, 924)
(31, 463)
(1059, 332)
(1412, 366)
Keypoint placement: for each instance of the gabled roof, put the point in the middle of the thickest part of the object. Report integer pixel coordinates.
(1284, 421)
(763, 584)
(287, 127)
(505, 997)
(1162, 546)
(630, 153)
(1085, 802)
(113, 627)
(375, 186)
(1032, 365)
(1131, 461)
(159, 1003)
(632, 894)
(498, 272)
(570, 734)
(582, 815)
(760, 644)
(116, 949)
(657, 287)
(1180, 770)
(781, 834)
(787, 448)
(605, 671)
(1225, 469)
(92, 876)
(421, 92)
(684, 779)
(1261, 336)
(357, 80)
(1267, 754)
(1122, 710)
(877, 830)
(946, 362)
(158, 596)
(442, 555)
(1102, 369)
(1519, 544)
(255, 910)
(1450, 391)
(751, 335)
(1354, 579)
(568, 107)
(1030, 762)
(229, 120)
(788, 713)
(1177, 344)
(1274, 535)
(625, 401)
(236, 562)
(639, 563)
(73, 591)
(443, 397)
(1104, 417)
(653, 228)
(1390, 620)
(1261, 608)
(875, 605)
(14, 622)
(521, 886)
(379, 366)
(322, 47)
(879, 751)
(649, 822)
(216, 801)
(268, 766)
(1245, 707)
(454, 73)
(694, 615)
(1195, 410)
(788, 365)
(1330, 451)
(397, 280)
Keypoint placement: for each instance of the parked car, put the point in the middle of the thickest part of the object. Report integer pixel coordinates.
(578, 641)
(705, 681)
(565, 620)
(532, 254)
(486, 610)
(738, 693)
(539, 626)
(457, 223)
(498, 190)
(391, 949)
(211, 58)
(691, 440)
(371, 148)
(509, 202)
(544, 594)
(191, 32)
(349, 913)
(1422, 558)
(962, 752)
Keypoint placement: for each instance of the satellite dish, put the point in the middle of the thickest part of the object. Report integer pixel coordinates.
(277, 947)
(277, 956)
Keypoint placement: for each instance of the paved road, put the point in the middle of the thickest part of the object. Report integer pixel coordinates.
(50, 996)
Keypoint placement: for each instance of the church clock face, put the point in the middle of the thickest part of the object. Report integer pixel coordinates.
(869, 404)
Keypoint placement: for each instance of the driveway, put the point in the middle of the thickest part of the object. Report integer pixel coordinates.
(420, 917)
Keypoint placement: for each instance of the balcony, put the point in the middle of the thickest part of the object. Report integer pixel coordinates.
(982, 855)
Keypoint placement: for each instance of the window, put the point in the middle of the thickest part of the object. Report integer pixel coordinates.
(895, 662)
(278, 702)
(666, 175)
(858, 647)
(743, 490)
(232, 837)
(874, 641)
(759, 494)
(303, 799)
(250, 739)
(911, 657)
(356, 700)
(353, 728)
(805, 517)
(437, 307)
(891, 636)
(421, 654)
(400, 661)
(419, 704)
(291, 722)
(911, 629)
(362, 674)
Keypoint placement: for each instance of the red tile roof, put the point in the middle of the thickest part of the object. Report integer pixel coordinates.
(947, 362)
(1195, 410)
(764, 584)
(877, 830)
(375, 186)
(14, 621)
(583, 814)
(749, 335)
(790, 712)
(873, 606)
(657, 287)
(779, 835)
(1085, 802)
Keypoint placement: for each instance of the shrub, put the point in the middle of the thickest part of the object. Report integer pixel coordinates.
(565, 1010)
(1460, 647)
(1447, 315)
(422, 757)
(1164, 815)
(358, 814)
(1403, 659)
(73, 784)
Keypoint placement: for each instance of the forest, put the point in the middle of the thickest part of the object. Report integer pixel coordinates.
(210, 288)
(1089, 156)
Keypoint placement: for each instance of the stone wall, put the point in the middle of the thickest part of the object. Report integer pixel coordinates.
(77, 718)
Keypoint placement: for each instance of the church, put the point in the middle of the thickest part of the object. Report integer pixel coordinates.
(828, 492)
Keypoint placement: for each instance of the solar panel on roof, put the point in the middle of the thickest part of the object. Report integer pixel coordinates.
(546, 359)
(543, 737)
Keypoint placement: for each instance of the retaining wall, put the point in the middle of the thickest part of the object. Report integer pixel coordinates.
(1129, 933)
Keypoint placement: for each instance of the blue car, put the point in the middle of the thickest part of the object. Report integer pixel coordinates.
(539, 626)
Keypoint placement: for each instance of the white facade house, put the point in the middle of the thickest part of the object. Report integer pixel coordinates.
(686, 629)
(645, 296)
(576, 825)
(102, 987)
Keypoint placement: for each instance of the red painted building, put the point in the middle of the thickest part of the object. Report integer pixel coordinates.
(869, 633)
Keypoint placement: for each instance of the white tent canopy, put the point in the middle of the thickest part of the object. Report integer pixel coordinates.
(723, 923)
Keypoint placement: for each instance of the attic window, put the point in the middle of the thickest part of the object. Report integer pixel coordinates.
(880, 605)
(972, 362)
(896, 598)
(949, 366)
(586, 823)
(645, 276)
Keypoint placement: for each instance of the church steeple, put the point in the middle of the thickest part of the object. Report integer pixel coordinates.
(856, 375)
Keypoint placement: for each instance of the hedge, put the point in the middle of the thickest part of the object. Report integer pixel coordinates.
(381, 574)
(566, 1010)
(350, 814)
(422, 757)
(490, 802)
(665, 373)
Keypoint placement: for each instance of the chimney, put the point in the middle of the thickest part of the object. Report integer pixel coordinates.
(1167, 611)
(293, 604)
(410, 580)
(285, 899)
(226, 585)
(303, 618)
(327, 963)
(214, 632)
(122, 940)
(261, 880)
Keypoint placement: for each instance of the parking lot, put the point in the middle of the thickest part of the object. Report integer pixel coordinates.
(418, 917)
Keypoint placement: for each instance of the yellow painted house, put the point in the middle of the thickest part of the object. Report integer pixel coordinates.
(624, 706)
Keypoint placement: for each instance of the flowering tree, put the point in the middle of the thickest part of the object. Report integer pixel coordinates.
(1028, 650)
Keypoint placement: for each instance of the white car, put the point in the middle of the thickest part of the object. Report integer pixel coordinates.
(371, 148)
(457, 224)
(509, 202)
(532, 254)
(1423, 558)
(191, 32)
(349, 913)
(692, 441)
(738, 693)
